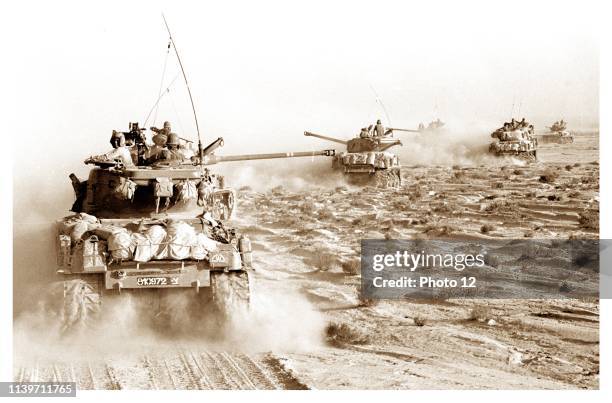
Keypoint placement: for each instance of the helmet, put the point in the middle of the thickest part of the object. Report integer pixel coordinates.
(167, 125)
(378, 122)
(173, 140)
(117, 139)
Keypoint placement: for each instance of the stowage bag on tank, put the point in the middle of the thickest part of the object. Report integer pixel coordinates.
(143, 249)
(125, 189)
(202, 246)
(77, 225)
(163, 187)
(180, 238)
(120, 245)
(157, 236)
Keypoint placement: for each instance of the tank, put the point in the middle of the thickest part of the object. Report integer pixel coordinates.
(155, 229)
(367, 160)
(557, 133)
(515, 139)
(435, 126)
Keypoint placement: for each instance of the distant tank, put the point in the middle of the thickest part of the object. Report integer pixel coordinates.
(366, 160)
(150, 225)
(557, 133)
(515, 139)
(435, 126)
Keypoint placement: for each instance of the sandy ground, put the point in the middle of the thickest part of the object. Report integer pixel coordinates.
(306, 245)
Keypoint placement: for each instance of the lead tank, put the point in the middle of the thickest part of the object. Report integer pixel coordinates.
(154, 229)
(515, 139)
(366, 160)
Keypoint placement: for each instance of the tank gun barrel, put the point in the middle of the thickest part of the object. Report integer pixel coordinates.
(247, 157)
(325, 138)
(393, 129)
(385, 145)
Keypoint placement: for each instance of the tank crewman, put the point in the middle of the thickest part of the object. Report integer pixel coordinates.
(364, 134)
(562, 124)
(169, 153)
(162, 134)
(120, 151)
(174, 151)
(379, 130)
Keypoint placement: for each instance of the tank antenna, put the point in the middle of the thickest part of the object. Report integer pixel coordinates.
(195, 116)
(162, 94)
(379, 101)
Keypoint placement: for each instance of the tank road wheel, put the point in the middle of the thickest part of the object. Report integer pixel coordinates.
(230, 292)
(82, 304)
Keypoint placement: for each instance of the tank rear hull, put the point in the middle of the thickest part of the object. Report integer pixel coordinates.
(531, 155)
(522, 149)
(101, 258)
(377, 169)
(556, 138)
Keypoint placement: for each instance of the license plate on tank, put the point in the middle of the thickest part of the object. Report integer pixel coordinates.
(156, 281)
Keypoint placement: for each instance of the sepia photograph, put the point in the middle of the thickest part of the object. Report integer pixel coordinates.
(292, 195)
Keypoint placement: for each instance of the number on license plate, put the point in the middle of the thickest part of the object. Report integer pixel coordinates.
(156, 281)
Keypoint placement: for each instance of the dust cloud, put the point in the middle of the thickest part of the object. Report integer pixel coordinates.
(447, 147)
(135, 323)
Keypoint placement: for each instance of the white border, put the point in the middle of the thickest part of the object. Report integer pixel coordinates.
(356, 396)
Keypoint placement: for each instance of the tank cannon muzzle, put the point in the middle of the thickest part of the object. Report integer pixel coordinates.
(335, 140)
(393, 129)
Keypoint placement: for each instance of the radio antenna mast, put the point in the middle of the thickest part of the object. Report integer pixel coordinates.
(195, 116)
(380, 102)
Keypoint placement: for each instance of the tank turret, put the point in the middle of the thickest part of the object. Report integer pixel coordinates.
(189, 184)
